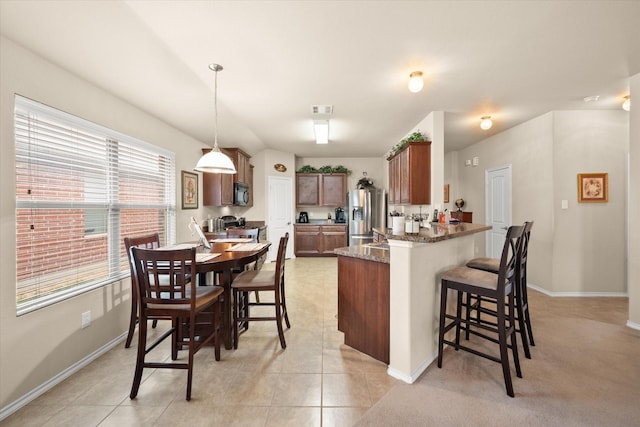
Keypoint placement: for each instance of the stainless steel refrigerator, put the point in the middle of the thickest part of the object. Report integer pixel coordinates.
(367, 209)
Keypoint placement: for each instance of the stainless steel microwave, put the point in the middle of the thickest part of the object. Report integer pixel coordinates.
(240, 194)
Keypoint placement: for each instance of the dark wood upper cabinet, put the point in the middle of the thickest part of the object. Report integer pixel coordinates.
(410, 175)
(321, 189)
(217, 188)
(308, 189)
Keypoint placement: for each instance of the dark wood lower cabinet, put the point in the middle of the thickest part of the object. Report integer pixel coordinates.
(363, 306)
(319, 240)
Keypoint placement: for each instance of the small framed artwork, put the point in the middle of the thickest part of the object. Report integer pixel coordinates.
(189, 190)
(593, 188)
(446, 193)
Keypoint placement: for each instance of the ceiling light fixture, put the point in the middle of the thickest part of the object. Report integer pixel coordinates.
(215, 161)
(321, 129)
(486, 123)
(626, 105)
(416, 83)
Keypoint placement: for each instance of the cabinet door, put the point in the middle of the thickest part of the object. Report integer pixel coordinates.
(394, 181)
(333, 236)
(306, 240)
(307, 189)
(405, 182)
(217, 189)
(419, 165)
(333, 191)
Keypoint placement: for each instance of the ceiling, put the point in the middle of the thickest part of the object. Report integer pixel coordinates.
(512, 60)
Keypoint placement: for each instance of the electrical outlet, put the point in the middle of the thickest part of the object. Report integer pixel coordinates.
(86, 319)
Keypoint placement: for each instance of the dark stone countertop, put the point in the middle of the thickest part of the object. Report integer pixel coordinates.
(436, 232)
(367, 252)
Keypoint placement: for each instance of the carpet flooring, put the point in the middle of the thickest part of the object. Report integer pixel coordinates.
(584, 371)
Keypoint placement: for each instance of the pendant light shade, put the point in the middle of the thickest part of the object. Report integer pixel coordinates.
(215, 161)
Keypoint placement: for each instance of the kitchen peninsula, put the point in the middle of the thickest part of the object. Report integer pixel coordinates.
(410, 297)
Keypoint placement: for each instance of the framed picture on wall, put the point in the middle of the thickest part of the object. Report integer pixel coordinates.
(446, 193)
(593, 187)
(189, 190)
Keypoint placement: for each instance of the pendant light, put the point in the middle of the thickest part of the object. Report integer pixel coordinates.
(215, 161)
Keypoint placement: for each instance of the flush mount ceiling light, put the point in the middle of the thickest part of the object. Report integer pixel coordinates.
(321, 129)
(626, 105)
(416, 83)
(215, 161)
(486, 123)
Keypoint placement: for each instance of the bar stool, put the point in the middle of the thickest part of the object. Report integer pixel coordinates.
(522, 301)
(498, 287)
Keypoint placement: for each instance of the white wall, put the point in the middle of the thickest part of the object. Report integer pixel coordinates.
(633, 279)
(568, 247)
(40, 345)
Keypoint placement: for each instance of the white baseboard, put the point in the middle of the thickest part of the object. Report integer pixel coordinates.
(43, 388)
(633, 325)
(410, 379)
(576, 294)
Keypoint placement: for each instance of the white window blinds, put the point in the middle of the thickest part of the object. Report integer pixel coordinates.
(80, 189)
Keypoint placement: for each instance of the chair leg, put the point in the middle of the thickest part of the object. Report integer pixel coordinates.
(443, 313)
(192, 347)
(142, 343)
(278, 307)
(235, 308)
(514, 338)
(217, 320)
(459, 319)
(257, 296)
(133, 319)
(523, 331)
(504, 355)
(527, 317)
(285, 312)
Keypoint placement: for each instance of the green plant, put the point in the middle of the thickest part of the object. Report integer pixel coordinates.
(307, 169)
(417, 136)
(324, 169)
(341, 169)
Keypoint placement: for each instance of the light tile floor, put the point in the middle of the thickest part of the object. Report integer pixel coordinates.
(315, 381)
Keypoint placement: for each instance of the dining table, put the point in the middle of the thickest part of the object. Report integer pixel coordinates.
(224, 256)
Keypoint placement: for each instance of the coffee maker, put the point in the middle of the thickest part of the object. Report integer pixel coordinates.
(303, 217)
(340, 216)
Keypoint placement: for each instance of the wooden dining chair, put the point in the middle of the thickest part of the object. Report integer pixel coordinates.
(247, 233)
(263, 281)
(499, 287)
(165, 290)
(148, 241)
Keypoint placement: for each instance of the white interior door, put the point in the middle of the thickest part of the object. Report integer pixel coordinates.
(279, 196)
(498, 203)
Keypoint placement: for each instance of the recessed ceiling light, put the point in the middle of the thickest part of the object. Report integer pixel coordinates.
(592, 98)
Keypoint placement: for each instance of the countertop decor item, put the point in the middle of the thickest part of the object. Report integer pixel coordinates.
(364, 182)
(460, 203)
(280, 167)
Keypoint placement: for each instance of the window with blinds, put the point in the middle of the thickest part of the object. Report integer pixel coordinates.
(80, 189)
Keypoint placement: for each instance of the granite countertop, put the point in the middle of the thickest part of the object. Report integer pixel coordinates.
(436, 232)
(376, 252)
(320, 222)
